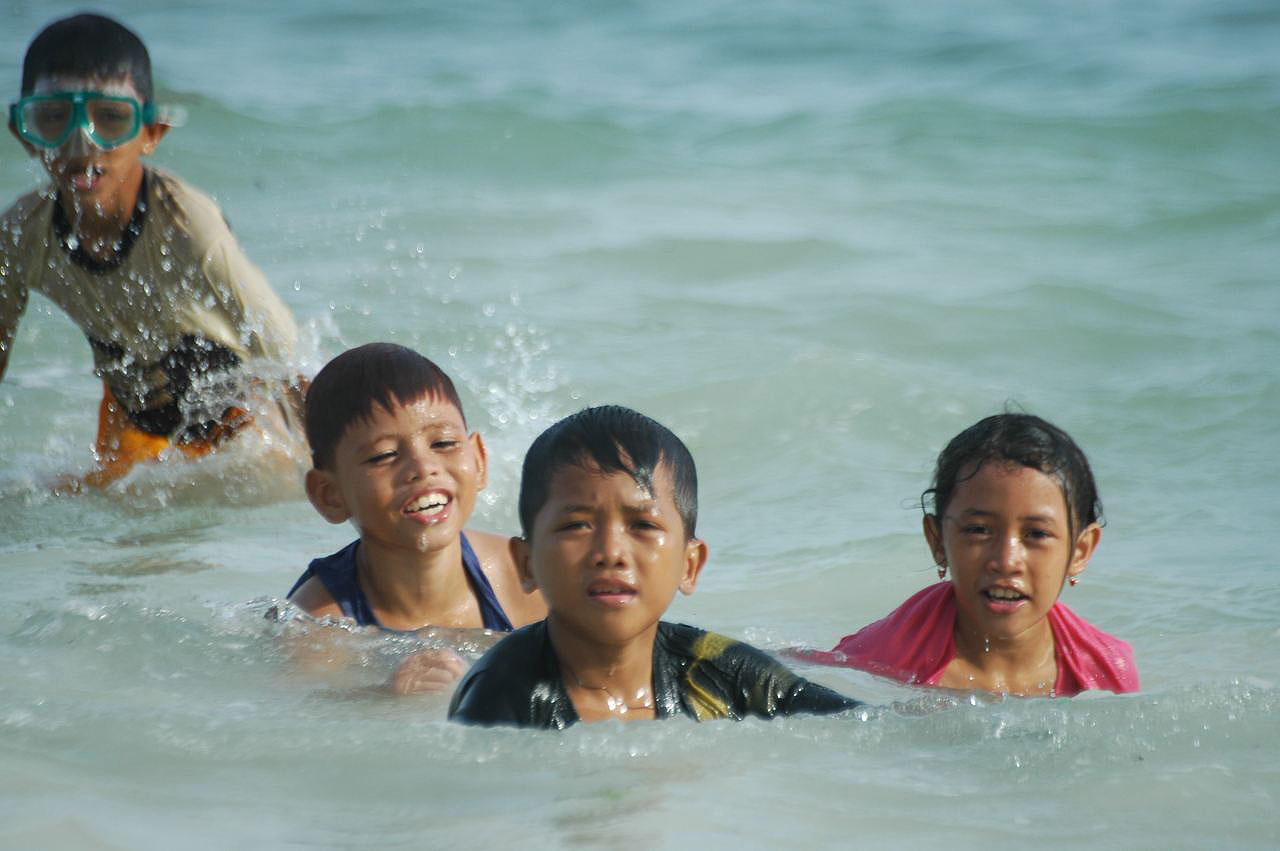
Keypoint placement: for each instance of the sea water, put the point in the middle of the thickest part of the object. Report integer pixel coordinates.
(817, 240)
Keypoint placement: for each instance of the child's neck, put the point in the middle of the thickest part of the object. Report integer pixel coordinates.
(606, 680)
(99, 228)
(408, 589)
(1024, 664)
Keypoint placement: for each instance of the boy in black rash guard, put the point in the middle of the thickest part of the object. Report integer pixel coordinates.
(608, 504)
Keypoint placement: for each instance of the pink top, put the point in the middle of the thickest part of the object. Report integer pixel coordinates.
(916, 641)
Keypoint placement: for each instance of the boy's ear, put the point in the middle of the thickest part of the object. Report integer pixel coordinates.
(1086, 543)
(482, 460)
(520, 555)
(933, 535)
(695, 557)
(326, 496)
(152, 134)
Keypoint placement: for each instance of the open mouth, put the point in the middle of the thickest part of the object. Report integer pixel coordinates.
(428, 507)
(611, 592)
(84, 179)
(1004, 596)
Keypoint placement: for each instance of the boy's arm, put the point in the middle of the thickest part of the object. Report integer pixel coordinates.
(428, 672)
(6, 340)
(808, 698)
(774, 689)
(264, 322)
(13, 301)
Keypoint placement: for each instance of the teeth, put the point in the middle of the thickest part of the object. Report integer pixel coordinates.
(1004, 594)
(432, 503)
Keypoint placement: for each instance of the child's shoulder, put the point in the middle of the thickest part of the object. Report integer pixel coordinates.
(24, 205)
(24, 217)
(499, 566)
(515, 682)
(1089, 658)
(194, 213)
(314, 592)
(712, 651)
(314, 598)
(490, 548)
(701, 645)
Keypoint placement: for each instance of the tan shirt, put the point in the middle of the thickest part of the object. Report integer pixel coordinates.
(184, 281)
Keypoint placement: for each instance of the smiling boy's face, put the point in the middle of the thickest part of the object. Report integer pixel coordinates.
(608, 555)
(406, 477)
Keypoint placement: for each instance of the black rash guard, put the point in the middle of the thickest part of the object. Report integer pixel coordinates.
(695, 673)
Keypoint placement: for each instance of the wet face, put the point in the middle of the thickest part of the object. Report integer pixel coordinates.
(407, 478)
(1005, 539)
(609, 555)
(88, 178)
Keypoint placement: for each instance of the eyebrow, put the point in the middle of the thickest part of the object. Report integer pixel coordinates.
(573, 508)
(647, 507)
(982, 512)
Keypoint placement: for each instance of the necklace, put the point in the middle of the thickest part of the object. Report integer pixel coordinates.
(618, 705)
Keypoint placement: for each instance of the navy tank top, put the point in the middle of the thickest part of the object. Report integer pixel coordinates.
(337, 573)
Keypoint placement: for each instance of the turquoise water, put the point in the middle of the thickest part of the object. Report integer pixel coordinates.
(817, 240)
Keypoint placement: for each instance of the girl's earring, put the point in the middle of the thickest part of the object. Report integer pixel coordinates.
(942, 571)
(1073, 580)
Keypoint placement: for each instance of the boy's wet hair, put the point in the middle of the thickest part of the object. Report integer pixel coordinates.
(1026, 440)
(613, 439)
(91, 46)
(348, 387)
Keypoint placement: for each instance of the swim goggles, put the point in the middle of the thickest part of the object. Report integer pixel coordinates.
(110, 121)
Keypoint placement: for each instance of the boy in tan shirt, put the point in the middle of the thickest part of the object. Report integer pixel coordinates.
(190, 342)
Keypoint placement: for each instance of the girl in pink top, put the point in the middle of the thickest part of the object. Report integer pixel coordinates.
(1012, 516)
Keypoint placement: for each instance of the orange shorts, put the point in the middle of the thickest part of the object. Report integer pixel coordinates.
(121, 444)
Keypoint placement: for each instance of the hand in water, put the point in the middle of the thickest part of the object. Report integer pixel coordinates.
(428, 672)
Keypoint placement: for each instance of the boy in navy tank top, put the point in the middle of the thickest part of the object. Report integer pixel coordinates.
(391, 453)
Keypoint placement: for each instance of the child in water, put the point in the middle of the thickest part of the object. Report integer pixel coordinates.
(1013, 514)
(143, 263)
(392, 454)
(608, 504)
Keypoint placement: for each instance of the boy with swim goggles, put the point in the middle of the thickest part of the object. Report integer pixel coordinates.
(191, 343)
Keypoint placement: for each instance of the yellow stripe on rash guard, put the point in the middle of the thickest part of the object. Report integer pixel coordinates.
(706, 704)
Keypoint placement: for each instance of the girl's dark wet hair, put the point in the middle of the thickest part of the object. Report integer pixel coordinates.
(613, 439)
(1017, 438)
(92, 46)
(348, 387)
